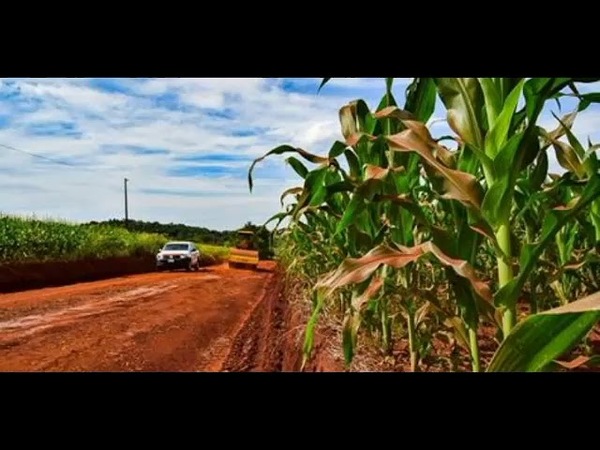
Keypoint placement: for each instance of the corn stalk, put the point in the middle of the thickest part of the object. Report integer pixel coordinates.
(388, 194)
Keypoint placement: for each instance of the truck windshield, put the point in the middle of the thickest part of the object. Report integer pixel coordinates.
(176, 247)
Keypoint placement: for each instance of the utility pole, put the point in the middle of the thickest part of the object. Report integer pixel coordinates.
(126, 205)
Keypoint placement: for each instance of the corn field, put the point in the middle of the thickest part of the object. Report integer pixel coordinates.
(406, 235)
(31, 240)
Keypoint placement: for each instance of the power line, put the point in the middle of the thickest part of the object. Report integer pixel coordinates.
(56, 161)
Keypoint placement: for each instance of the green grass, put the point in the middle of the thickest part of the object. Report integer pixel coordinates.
(25, 240)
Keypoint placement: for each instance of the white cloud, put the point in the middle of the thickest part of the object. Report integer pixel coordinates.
(133, 117)
(224, 122)
(73, 96)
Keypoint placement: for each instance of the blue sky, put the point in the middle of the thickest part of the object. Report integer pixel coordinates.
(185, 144)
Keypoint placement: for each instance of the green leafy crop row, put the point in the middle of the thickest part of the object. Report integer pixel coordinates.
(397, 225)
(31, 240)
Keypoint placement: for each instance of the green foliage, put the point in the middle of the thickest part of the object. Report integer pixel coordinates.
(180, 232)
(176, 232)
(32, 240)
(215, 251)
(538, 341)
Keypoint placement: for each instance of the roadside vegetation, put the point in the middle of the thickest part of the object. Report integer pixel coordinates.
(179, 232)
(30, 240)
(426, 247)
(215, 251)
(217, 242)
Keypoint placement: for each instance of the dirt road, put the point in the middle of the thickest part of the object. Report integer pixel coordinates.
(151, 322)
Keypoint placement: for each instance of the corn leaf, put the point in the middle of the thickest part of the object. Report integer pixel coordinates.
(309, 335)
(298, 167)
(393, 112)
(497, 136)
(458, 185)
(556, 219)
(538, 90)
(337, 149)
(421, 96)
(323, 83)
(542, 338)
(280, 151)
(290, 191)
(568, 159)
(355, 207)
(493, 99)
(463, 99)
(353, 271)
(352, 319)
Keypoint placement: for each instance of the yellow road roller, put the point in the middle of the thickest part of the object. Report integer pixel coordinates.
(245, 253)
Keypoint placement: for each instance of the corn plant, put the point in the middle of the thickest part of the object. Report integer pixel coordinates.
(32, 240)
(399, 198)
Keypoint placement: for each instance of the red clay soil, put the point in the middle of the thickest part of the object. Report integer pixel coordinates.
(271, 338)
(217, 319)
(151, 322)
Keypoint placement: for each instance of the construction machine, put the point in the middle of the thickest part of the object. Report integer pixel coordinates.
(245, 253)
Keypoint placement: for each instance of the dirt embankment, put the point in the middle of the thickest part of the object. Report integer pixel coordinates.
(20, 277)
